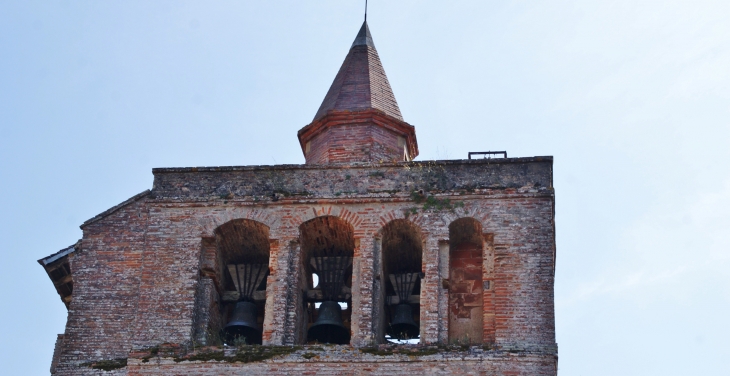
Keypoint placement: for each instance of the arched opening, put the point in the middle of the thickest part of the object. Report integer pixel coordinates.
(243, 249)
(402, 250)
(465, 282)
(328, 246)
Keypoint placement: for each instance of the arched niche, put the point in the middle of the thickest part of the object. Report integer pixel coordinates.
(465, 304)
(402, 267)
(327, 249)
(243, 250)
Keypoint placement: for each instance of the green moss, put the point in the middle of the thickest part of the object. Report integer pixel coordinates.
(377, 191)
(153, 352)
(403, 350)
(377, 351)
(290, 194)
(244, 354)
(309, 355)
(434, 204)
(107, 365)
(205, 356)
(418, 197)
(407, 212)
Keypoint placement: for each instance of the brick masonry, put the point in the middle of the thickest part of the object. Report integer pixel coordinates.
(359, 119)
(358, 136)
(337, 360)
(144, 275)
(148, 287)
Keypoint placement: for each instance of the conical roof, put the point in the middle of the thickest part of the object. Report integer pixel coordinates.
(361, 83)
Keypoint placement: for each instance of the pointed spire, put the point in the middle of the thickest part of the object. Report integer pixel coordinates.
(359, 120)
(363, 37)
(361, 83)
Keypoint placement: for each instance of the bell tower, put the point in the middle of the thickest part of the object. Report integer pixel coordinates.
(359, 119)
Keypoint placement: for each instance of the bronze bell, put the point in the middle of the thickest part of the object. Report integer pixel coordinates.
(329, 327)
(402, 326)
(243, 324)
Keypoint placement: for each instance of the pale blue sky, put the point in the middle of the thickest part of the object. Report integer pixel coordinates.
(631, 97)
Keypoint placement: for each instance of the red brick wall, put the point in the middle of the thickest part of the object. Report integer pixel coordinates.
(354, 143)
(358, 136)
(106, 273)
(465, 294)
(138, 276)
(338, 361)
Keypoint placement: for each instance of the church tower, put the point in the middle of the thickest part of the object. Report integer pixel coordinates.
(359, 119)
(360, 261)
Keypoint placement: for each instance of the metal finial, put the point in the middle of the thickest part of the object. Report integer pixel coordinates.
(366, 10)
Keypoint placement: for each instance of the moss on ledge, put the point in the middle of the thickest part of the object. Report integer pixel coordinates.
(244, 354)
(389, 350)
(107, 365)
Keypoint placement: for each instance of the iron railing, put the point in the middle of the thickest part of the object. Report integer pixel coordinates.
(487, 154)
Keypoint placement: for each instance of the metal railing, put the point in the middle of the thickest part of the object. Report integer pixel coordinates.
(487, 154)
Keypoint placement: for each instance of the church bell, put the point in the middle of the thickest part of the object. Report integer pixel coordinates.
(243, 324)
(403, 326)
(329, 327)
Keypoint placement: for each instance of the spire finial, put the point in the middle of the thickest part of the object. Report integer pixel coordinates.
(366, 10)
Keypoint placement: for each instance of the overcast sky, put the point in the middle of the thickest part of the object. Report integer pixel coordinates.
(632, 98)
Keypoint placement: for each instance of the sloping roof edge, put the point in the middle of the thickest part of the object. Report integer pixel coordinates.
(113, 209)
(50, 259)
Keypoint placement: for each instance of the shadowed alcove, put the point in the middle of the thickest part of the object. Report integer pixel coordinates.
(402, 255)
(465, 281)
(243, 249)
(327, 246)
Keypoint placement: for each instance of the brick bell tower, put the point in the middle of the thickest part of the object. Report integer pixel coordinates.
(422, 267)
(359, 119)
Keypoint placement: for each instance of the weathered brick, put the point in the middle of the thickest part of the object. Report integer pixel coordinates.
(151, 283)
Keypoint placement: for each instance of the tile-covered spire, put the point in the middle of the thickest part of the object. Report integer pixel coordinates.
(361, 83)
(359, 119)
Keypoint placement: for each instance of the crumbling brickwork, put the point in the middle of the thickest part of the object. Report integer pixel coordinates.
(143, 279)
